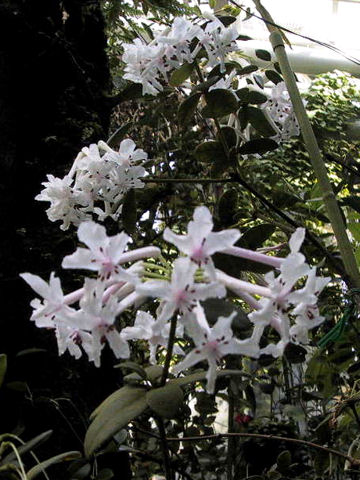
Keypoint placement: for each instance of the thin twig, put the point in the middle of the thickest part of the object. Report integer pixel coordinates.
(169, 351)
(164, 447)
(189, 180)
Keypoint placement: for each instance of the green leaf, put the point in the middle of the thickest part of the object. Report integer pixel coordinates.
(355, 230)
(41, 467)
(29, 351)
(295, 353)
(258, 145)
(134, 367)
(105, 474)
(128, 213)
(181, 74)
(226, 20)
(227, 207)
(243, 94)
(3, 367)
(256, 97)
(29, 445)
(199, 376)
(187, 108)
(220, 102)
(229, 134)
(248, 69)
(216, 307)
(118, 135)
(255, 237)
(243, 117)
(259, 121)
(153, 373)
(273, 76)
(263, 55)
(165, 401)
(284, 460)
(113, 414)
(209, 151)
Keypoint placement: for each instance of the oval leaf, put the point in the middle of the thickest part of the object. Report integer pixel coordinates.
(220, 102)
(113, 414)
(259, 121)
(187, 108)
(273, 76)
(209, 151)
(181, 74)
(258, 145)
(263, 55)
(165, 401)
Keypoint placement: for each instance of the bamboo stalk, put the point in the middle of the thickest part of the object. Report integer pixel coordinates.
(331, 204)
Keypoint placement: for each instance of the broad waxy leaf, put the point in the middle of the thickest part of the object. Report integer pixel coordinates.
(229, 134)
(263, 55)
(209, 151)
(219, 102)
(216, 307)
(258, 145)
(248, 69)
(113, 414)
(135, 367)
(273, 76)
(180, 75)
(187, 108)
(259, 122)
(165, 401)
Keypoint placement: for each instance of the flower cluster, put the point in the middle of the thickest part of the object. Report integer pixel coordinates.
(289, 310)
(95, 184)
(183, 42)
(281, 111)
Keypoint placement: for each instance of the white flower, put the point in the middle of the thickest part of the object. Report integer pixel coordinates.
(98, 318)
(179, 37)
(145, 329)
(218, 41)
(306, 309)
(103, 254)
(65, 201)
(291, 270)
(123, 179)
(281, 111)
(214, 343)
(71, 339)
(200, 242)
(182, 293)
(45, 312)
(127, 155)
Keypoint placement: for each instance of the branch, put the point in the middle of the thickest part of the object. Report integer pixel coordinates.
(189, 180)
(198, 438)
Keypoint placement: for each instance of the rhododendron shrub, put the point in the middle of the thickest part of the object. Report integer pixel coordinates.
(177, 298)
